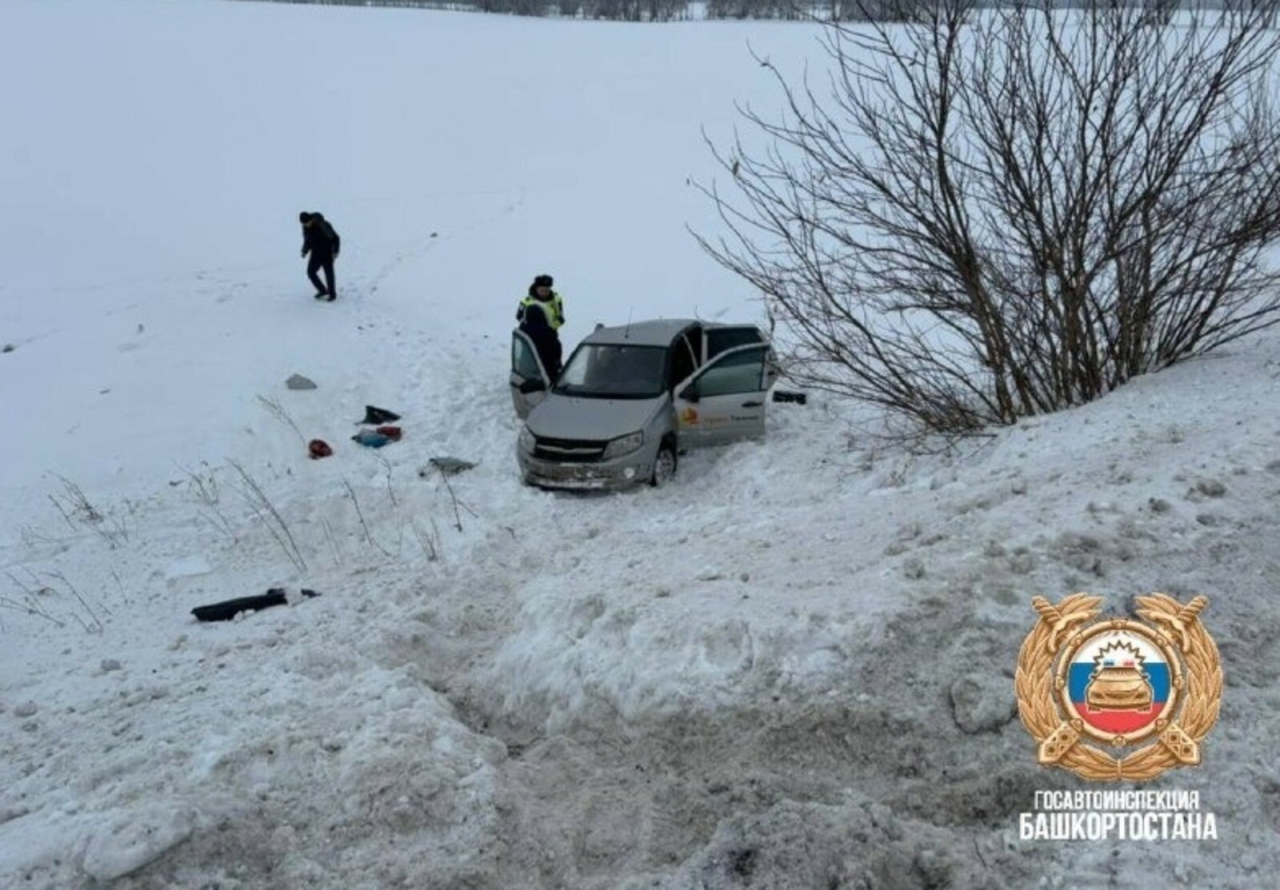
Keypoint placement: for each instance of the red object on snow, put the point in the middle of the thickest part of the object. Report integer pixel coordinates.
(319, 448)
(391, 432)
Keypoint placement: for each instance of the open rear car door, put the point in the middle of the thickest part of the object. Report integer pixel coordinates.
(725, 399)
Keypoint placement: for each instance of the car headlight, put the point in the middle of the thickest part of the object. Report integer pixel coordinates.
(526, 442)
(623, 445)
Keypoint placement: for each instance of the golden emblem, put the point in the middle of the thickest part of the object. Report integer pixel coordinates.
(1086, 688)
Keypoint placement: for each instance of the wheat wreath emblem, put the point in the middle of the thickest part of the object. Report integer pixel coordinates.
(1064, 740)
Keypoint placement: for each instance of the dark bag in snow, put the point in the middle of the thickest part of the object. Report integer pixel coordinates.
(229, 609)
(378, 416)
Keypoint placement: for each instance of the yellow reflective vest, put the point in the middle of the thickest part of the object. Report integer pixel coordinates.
(553, 309)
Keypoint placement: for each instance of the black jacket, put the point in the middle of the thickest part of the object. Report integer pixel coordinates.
(320, 239)
(545, 340)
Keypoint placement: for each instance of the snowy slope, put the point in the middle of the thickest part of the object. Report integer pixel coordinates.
(745, 679)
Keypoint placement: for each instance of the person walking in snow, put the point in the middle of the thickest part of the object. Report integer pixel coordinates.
(541, 313)
(321, 241)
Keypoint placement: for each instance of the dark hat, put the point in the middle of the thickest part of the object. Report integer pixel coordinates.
(304, 217)
(543, 281)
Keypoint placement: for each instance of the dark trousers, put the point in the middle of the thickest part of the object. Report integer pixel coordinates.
(550, 352)
(322, 261)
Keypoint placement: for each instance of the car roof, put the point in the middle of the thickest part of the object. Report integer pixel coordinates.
(656, 332)
(652, 332)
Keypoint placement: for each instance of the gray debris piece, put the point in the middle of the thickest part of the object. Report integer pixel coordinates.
(449, 466)
(297, 381)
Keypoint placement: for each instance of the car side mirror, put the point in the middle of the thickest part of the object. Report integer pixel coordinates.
(531, 386)
(690, 392)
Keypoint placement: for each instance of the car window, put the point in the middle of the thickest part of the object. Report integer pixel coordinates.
(683, 362)
(605, 371)
(524, 361)
(723, 339)
(739, 373)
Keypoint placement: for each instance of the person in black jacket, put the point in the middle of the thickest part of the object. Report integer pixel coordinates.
(541, 314)
(321, 241)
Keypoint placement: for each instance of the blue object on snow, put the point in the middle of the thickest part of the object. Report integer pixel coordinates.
(371, 439)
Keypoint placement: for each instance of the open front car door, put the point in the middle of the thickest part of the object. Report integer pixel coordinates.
(528, 377)
(725, 400)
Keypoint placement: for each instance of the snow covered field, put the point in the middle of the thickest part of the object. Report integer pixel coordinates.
(791, 668)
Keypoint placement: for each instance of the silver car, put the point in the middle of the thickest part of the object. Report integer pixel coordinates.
(631, 399)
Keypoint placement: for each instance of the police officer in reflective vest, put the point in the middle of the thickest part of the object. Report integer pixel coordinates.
(541, 314)
(546, 299)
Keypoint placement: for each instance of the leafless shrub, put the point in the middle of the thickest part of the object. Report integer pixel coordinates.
(363, 525)
(334, 548)
(996, 213)
(457, 517)
(90, 622)
(458, 505)
(202, 484)
(47, 600)
(124, 596)
(386, 468)
(78, 512)
(276, 410)
(34, 537)
(428, 541)
(204, 487)
(269, 516)
(29, 603)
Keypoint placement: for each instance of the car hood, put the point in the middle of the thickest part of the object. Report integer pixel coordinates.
(566, 417)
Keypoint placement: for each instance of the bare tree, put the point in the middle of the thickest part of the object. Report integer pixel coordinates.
(994, 213)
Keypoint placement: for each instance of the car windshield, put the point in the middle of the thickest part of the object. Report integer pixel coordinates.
(603, 371)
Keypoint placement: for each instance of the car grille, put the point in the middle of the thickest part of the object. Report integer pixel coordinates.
(568, 450)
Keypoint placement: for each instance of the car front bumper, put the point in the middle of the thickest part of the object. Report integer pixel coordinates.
(622, 472)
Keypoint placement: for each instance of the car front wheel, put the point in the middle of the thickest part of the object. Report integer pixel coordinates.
(664, 467)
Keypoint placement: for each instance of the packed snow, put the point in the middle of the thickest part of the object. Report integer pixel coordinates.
(792, 667)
